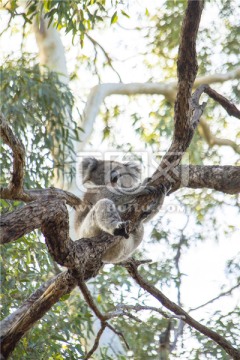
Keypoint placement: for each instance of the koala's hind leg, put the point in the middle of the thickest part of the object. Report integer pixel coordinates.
(104, 216)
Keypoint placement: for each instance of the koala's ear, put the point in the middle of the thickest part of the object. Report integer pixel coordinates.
(133, 167)
(88, 165)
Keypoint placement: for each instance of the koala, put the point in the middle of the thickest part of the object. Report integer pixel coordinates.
(112, 186)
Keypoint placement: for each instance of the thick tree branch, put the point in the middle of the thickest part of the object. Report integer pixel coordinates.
(37, 194)
(82, 257)
(157, 294)
(15, 186)
(187, 110)
(220, 178)
(14, 327)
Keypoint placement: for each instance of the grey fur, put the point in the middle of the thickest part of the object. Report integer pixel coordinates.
(115, 190)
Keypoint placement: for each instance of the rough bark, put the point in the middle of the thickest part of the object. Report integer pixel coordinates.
(82, 257)
(220, 178)
(16, 181)
(14, 327)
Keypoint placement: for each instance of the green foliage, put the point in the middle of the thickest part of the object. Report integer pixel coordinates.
(224, 324)
(77, 17)
(67, 335)
(39, 108)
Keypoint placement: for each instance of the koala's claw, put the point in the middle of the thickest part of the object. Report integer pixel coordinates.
(122, 229)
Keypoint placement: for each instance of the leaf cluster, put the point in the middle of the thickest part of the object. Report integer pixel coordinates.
(39, 108)
(77, 17)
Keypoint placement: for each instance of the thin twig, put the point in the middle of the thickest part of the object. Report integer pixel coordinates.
(212, 140)
(96, 342)
(157, 294)
(216, 297)
(109, 60)
(102, 317)
(149, 308)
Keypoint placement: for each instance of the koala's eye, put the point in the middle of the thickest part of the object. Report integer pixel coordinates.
(114, 176)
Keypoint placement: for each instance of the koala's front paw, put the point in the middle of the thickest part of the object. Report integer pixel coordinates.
(122, 229)
(148, 190)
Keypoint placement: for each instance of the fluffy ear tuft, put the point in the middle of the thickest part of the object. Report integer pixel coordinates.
(133, 167)
(88, 165)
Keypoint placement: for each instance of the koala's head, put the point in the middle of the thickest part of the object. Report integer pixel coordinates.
(100, 172)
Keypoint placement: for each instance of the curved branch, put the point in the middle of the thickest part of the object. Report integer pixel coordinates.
(212, 140)
(157, 294)
(231, 109)
(100, 92)
(109, 60)
(167, 89)
(225, 293)
(37, 194)
(15, 186)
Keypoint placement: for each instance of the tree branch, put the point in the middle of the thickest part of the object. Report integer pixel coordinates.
(37, 194)
(82, 256)
(212, 140)
(218, 78)
(102, 317)
(157, 294)
(96, 342)
(148, 308)
(15, 186)
(167, 89)
(216, 297)
(14, 327)
(109, 60)
(220, 178)
(231, 109)
(187, 110)
(15, 190)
